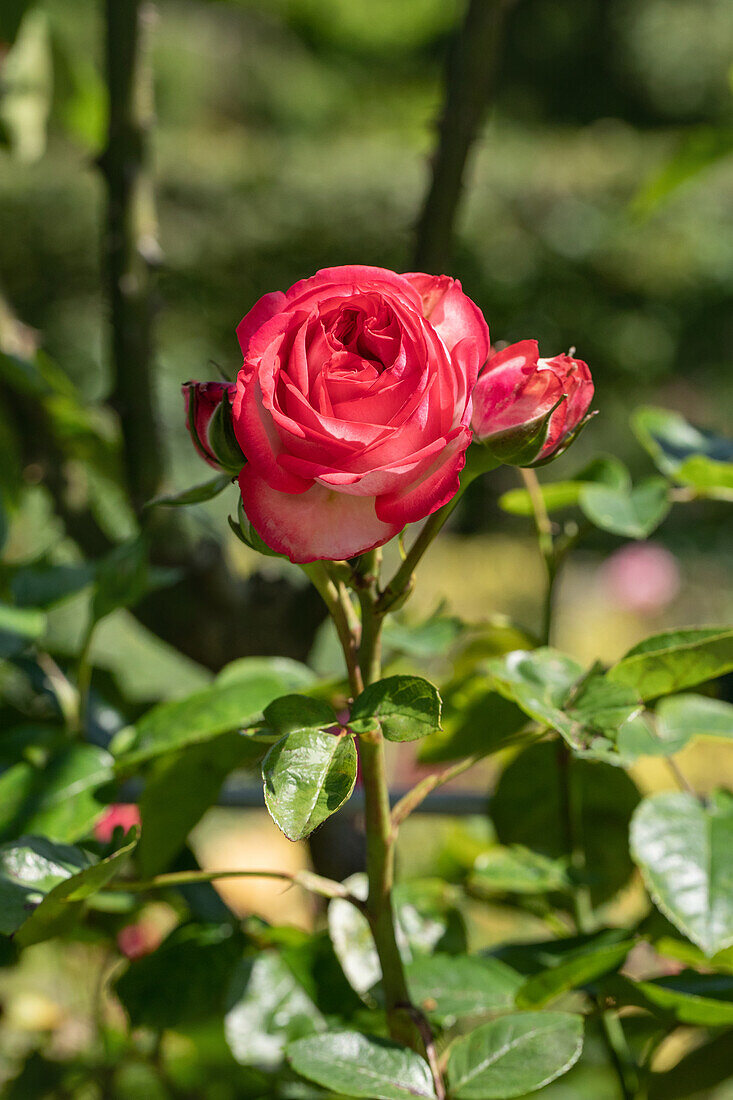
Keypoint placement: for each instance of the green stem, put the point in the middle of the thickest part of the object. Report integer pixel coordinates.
(547, 548)
(380, 835)
(316, 884)
(84, 675)
(335, 598)
(571, 810)
(421, 790)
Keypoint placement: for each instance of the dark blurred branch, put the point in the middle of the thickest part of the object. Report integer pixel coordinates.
(470, 83)
(131, 249)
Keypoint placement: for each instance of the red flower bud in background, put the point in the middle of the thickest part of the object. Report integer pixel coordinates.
(123, 815)
(209, 420)
(527, 410)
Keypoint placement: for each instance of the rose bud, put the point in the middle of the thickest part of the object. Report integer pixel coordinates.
(527, 410)
(209, 420)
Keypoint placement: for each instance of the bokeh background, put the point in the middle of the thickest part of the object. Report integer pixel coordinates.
(294, 134)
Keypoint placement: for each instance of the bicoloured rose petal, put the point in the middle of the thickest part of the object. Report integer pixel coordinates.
(267, 306)
(320, 524)
(451, 313)
(434, 488)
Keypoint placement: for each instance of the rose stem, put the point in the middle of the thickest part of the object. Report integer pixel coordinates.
(380, 835)
(571, 808)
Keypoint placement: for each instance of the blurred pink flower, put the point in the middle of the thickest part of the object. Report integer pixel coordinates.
(641, 577)
(136, 940)
(124, 814)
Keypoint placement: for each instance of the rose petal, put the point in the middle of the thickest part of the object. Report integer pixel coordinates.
(320, 524)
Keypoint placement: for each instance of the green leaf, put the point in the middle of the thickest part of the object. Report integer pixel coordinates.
(475, 719)
(56, 801)
(185, 981)
(45, 586)
(29, 869)
(299, 712)
(702, 1000)
(122, 578)
(681, 451)
(678, 659)
(514, 1055)
(677, 721)
(308, 775)
(527, 809)
(590, 962)
(197, 494)
(604, 470)
(266, 1009)
(516, 870)
(352, 1064)
(181, 789)
(701, 147)
(447, 987)
(684, 850)
(633, 513)
(44, 885)
(19, 628)
(431, 638)
(406, 707)
(426, 921)
(224, 706)
(293, 675)
(539, 681)
(699, 1071)
(686, 952)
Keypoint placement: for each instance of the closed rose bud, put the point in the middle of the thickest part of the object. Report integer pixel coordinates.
(120, 815)
(527, 410)
(209, 419)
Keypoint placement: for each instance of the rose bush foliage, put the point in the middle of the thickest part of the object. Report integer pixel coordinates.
(354, 406)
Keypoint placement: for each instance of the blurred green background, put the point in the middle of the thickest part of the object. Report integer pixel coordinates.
(295, 134)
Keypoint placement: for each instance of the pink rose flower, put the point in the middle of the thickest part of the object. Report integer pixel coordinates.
(527, 410)
(353, 407)
(124, 815)
(208, 417)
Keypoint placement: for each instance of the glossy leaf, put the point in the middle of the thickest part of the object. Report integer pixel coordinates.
(517, 870)
(684, 452)
(633, 513)
(19, 628)
(701, 1000)
(677, 721)
(475, 719)
(184, 981)
(678, 659)
(44, 885)
(579, 968)
(45, 586)
(539, 681)
(514, 1055)
(308, 775)
(56, 801)
(197, 494)
(351, 1064)
(604, 470)
(223, 706)
(298, 712)
(181, 789)
(266, 1009)
(431, 638)
(447, 987)
(122, 578)
(685, 852)
(526, 809)
(406, 708)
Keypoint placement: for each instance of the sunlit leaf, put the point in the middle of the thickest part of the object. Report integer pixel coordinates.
(352, 1064)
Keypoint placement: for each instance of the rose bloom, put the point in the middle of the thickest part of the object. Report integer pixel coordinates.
(518, 391)
(353, 407)
(642, 577)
